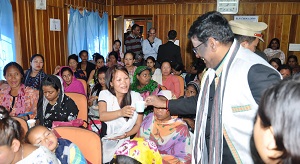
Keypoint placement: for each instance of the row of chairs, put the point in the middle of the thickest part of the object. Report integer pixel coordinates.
(88, 141)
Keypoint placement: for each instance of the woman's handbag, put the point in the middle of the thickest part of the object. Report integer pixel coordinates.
(75, 123)
(95, 125)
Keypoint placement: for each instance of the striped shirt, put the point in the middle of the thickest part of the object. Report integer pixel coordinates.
(134, 44)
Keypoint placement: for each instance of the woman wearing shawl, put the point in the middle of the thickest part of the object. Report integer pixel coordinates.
(19, 100)
(273, 51)
(116, 111)
(53, 104)
(143, 83)
(35, 74)
(170, 134)
(73, 62)
(70, 83)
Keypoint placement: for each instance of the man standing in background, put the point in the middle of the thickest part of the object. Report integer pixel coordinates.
(133, 43)
(151, 44)
(170, 51)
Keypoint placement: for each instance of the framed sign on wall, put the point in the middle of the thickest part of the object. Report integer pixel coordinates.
(40, 4)
(228, 6)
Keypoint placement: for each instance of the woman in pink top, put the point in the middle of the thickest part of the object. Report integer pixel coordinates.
(19, 100)
(170, 81)
(70, 83)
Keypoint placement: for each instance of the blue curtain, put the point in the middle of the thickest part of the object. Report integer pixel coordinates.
(88, 32)
(7, 37)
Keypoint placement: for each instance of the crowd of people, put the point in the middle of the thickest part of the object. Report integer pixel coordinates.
(235, 107)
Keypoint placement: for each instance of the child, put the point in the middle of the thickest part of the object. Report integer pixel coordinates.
(276, 128)
(12, 148)
(66, 151)
(129, 59)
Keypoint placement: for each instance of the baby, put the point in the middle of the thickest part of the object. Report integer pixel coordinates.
(66, 151)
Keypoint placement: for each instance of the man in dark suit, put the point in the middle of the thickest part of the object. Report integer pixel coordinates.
(170, 51)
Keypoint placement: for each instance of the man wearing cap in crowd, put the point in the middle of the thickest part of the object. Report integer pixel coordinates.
(248, 34)
(230, 93)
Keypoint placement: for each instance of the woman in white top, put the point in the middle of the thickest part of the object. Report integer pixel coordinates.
(12, 148)
(116, 111)
(156, 72)
(273, 50)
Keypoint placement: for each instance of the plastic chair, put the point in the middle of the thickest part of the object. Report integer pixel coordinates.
(81, 102)
(23, 123)
(181, 81)
(84, 85)
(88, 142)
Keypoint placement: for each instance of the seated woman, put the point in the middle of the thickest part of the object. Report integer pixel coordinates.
(276, 127)
(293, 63)
(70, 83)
(93, 99)
(112, 59)
(155, 72)
(273, 50)
(93, 75)
(129, 58)
(138, 151)
(142, 82)
(73, 62)
(65, 151)
(275, 62)
(116, 48)
(19, 100)
(53, 104)
(170, 81)
(197, 66)
(178, 69)
(35, 74)
(116, 111)
(13, 150)
(192, 89)
(170, 134)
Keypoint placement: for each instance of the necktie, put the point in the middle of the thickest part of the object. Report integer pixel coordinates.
(215, 145)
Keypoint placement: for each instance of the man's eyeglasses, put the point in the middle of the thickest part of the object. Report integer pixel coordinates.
(195, 49)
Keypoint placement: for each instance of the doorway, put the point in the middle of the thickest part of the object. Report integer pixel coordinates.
(122, 26)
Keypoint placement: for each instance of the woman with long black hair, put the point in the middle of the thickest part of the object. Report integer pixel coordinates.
(35, 74)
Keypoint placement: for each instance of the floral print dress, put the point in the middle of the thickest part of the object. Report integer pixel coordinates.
(171, 137)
